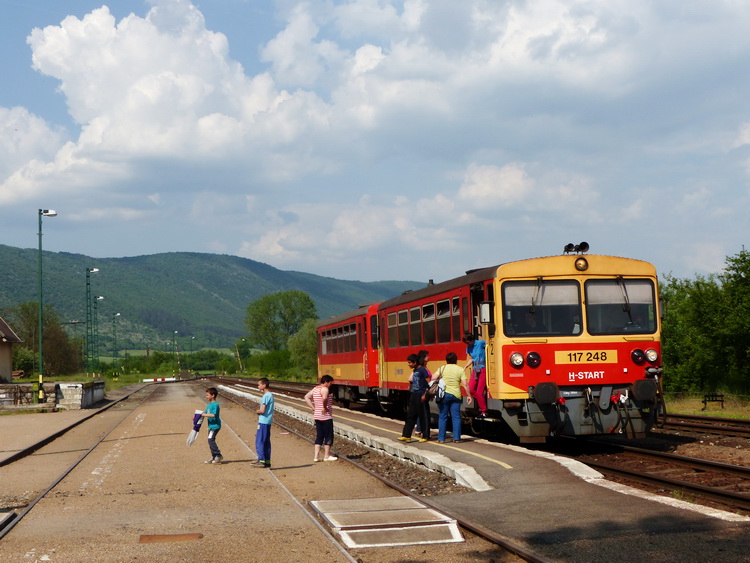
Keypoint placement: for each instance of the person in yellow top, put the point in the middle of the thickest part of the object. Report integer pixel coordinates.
(454, 378)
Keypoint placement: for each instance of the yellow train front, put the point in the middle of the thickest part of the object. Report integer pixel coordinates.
(573, 345)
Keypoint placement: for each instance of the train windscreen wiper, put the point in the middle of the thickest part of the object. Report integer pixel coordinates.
(626, 303)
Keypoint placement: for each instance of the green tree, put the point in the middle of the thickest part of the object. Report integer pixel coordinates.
(692, 358)
(734, 337)
(303, 348)
(61, 353)
(273, 318)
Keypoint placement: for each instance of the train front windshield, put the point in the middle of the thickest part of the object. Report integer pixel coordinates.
(620, 306)
(541, 308)
(553, 307)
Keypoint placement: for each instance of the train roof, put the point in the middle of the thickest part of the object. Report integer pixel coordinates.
(634, 266)
(472, 276)
(361, 310)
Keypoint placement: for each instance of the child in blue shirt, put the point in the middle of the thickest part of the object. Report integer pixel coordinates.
(265, 419)
(212, 413)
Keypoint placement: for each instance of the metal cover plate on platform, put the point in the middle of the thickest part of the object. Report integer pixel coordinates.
(6, 518)
(390, 521)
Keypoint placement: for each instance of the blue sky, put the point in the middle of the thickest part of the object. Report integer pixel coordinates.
(378, 139)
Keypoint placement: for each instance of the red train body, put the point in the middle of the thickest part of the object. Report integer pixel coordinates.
(589, 362)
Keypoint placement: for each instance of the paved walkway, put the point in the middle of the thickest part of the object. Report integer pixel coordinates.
(558, 507)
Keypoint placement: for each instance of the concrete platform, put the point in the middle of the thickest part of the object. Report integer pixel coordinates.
(555, 506)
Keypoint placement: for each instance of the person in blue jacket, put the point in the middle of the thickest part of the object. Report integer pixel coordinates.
(418, 382)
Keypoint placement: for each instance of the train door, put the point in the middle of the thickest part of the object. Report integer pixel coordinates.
(483, 325)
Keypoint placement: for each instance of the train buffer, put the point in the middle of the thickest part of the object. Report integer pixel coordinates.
(713, 398)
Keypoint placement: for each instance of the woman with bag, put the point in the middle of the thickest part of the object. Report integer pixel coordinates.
(454, 378)
(418, 382)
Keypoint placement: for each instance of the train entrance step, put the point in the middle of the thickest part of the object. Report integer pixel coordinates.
(391, 521)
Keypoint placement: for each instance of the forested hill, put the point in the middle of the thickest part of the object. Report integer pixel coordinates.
(201, 295)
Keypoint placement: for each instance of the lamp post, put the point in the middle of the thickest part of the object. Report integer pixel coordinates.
(40, 395)
(114, 339)
(96, 331)
(190, 365)
(176, 354)
(89, 323)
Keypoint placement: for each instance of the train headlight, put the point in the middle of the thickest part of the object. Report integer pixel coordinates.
(582, 264)
(652, 355)
(638, 356)
(516, 359)
(533, 359)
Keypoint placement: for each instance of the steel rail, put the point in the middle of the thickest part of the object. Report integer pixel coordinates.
(710, 428)
(20, 454)
(694, 462)
(737, 500)
(741, 422)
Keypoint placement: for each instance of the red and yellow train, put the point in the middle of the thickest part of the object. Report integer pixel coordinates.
(572, 343)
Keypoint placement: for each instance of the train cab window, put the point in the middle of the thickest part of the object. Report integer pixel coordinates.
(444, 321)
(403, 328)
(392, 330)
(428, 315)
(415, 326)
(620, 306)
(456, 320)
(541, 308)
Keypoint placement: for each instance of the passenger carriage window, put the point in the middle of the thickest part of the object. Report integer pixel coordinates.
(353, 337)
(340, 339)
(345, 338)
(541, 308)
(392, 330)
(620, 306)
(415, 326)
(456, 320)
(428, 326)
(444, 321)
(403, 328)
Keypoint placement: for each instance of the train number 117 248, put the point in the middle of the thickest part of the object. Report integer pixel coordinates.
(586, 356)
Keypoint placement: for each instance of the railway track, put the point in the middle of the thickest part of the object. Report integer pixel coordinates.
(710, 425)
(137, 397)
(685, 476)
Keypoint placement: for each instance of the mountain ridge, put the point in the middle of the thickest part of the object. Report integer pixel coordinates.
(198, 295)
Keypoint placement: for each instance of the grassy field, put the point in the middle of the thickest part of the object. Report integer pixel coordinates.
(734, 406)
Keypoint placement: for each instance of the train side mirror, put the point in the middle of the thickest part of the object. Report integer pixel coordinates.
(485, 312)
